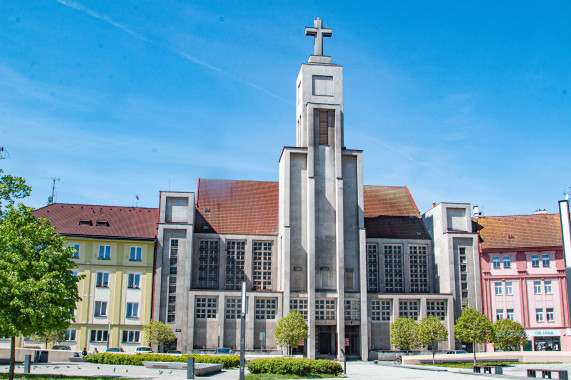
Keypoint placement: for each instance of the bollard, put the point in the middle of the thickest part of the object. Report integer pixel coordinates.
(27, 360)
(190, 367)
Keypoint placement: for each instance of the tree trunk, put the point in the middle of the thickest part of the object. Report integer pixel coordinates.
(12, 358)
(433, 351)
(474, 348)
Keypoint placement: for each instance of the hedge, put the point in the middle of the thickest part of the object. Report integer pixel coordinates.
(294, 366)
(229, 361)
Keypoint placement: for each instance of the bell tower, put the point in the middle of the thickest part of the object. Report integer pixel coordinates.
(321, 222)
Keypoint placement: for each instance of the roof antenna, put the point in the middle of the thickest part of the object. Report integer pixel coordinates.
(51, 197)
(137, 203)
(566, 192)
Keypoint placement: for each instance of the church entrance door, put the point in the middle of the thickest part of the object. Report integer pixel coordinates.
(352, 333)
(326, 340)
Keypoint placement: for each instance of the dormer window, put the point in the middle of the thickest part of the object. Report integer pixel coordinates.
(102, 223)
(85, 222)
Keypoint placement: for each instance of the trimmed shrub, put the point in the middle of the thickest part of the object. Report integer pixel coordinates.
(229, 361)
(294, 366)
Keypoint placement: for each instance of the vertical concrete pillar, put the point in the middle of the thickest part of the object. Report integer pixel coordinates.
(450, 322)
(221, 317)
(190, 330)
(250, 321)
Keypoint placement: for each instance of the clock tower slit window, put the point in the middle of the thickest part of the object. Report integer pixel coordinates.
(235, 252)
(262, 273)
(208, 264)
(323, 127)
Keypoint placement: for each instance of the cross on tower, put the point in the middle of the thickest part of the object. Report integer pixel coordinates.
(318, 32)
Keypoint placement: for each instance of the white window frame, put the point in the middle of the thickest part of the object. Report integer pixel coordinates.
(70, 335)
(100, 335)
(136, 253)
(100, 309)
(76, 246)
(539, 315)
(131, 283)
(507, 262)
(131, 336)
(547, 287)
(132, 310)
(102, 283)
(509, 288)
(550, 315)
(499, 314)
(496, 262)
(537, 287)
(545, 259)
(510, 314)
(499, 291)
(104, 252)
(535, 261)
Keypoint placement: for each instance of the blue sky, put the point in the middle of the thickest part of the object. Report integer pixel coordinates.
(460, 101)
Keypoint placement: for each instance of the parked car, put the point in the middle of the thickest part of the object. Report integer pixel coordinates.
(115, 349)
(457, 352)
(174, 352)
(144, 350)
(61, 347)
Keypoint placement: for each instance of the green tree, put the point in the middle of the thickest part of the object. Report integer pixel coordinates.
(430, 330)
(404, 334)
(290, 330)
(48, 337)
(473, 327)
(509, 335)
(157, 332)
(11, 188)
(38, 290)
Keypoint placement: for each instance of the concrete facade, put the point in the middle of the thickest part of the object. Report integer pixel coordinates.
(350, 258)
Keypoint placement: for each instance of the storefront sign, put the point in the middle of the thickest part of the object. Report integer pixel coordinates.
(543, 333)
(347, 342)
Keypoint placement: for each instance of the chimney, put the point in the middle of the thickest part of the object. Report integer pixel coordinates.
(433, 205)
(477, 212)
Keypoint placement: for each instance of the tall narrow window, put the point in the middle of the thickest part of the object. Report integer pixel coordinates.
(418, 269)
(545, 260)
(208, 264)
(462, 258)
(173, 261)
(499, 288)
(393, 268)
(323, 128)
(497, 262)
(507, 262)
(535, 261)
(499, 314)
(262, 273)
(547, 286)
(235, 252)
(372, 268)
(134, 280)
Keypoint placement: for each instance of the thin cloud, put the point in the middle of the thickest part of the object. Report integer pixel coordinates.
(81, 8)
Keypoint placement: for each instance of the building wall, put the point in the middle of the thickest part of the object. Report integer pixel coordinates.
(523, 275)
(117, 294)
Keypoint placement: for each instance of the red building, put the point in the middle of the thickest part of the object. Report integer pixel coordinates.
(523, 276)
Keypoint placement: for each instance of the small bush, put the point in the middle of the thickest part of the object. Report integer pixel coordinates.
(229, 361)
(294, 366)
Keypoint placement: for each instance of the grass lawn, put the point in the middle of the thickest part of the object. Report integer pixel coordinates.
(269, 376)
(52, 377)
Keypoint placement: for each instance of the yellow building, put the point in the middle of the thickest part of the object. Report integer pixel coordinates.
(115, 251)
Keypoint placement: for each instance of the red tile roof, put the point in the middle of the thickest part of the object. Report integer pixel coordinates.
(123, 222)
(525, 231)
(251, 208)
(388, 200)
(237, 207)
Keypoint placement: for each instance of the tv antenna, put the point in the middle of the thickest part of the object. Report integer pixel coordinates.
(137, 203)
(51, 197)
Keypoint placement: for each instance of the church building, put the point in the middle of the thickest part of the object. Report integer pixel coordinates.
(350, 257)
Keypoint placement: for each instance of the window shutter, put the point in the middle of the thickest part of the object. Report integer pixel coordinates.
(323, 128)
